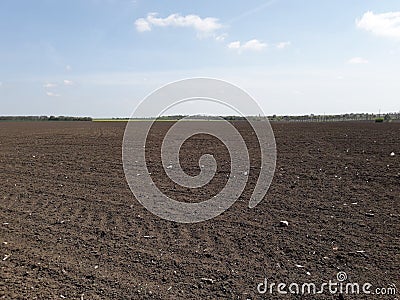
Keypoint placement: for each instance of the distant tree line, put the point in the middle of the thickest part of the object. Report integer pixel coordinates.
(341, 117)
(388, 117)
(304, 118)
(44, 118)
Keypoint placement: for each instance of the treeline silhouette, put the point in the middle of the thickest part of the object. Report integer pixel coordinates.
(387, 117)
(44, 118)
(304, 118)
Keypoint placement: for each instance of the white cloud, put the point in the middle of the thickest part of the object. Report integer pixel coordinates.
(68, 68)
(49, 85)
(234, 45)
(221, 37)
(252, 45)
(142, 25)
(357, 61)
(255, 45)
(201, 25)
(283, 45)
(68, 82)
(385, 24)
(51, 94)
(49, 89)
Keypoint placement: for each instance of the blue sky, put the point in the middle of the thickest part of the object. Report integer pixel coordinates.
(101, 57)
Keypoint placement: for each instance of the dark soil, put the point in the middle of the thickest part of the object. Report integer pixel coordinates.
(72, 229)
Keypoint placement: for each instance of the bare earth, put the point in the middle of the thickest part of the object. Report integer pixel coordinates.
(71, 228)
